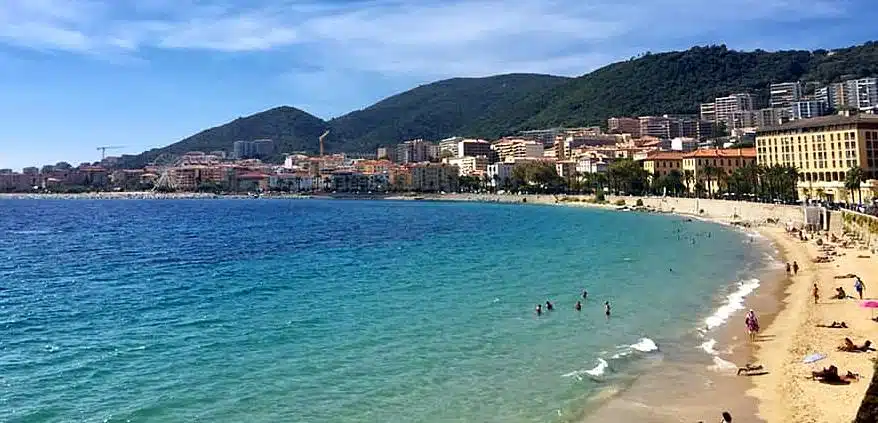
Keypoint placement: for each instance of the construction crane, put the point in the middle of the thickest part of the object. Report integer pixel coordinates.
(321, 141)
(104, 149)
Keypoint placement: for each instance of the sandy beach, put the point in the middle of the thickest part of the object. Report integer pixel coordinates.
(787, 393)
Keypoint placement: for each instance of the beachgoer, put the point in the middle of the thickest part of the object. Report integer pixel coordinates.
(607, 308)
(727, 418)
(584, 294)
(859, 286)
(816, 294)
(549, 306)
(840, 294)
(789, 269)
(539, 309)
(795, 268)
(752, 325)
(578, 306)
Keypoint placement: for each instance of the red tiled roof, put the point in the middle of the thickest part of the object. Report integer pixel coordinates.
(665, 155)
(717, 153)
(252, 175)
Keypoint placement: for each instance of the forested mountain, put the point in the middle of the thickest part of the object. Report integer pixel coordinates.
(673, 82)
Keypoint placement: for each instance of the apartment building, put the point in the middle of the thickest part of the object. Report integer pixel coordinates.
(500, 174)
(416, 151)
(783, 95)
(736, 110)
(661, 163)
(661, 127)
(473, 148)
(624, 125)
(863, 93)
(726, 160)
(449, 146)
(433, 177)
(469, 166)
(823, 149)
(708, 112)
(807, 109)
(511, 149)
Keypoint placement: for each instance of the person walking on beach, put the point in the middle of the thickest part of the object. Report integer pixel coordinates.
(789, 269)
(607, 308)
(816, 294)
(795, 268)
(578, 306)
(859, 286)
(752, 325)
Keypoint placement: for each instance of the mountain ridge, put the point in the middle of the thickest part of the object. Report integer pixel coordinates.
(489, 107)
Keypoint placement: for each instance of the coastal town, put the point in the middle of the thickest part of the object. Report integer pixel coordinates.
(821, 146)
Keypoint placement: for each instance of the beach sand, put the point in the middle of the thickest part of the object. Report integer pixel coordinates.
(787, 394)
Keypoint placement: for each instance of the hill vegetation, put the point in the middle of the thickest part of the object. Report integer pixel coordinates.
(674, 82)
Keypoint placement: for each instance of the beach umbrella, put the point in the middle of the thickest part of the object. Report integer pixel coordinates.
(870, 304)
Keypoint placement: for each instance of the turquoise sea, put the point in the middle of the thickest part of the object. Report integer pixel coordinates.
(345, 311)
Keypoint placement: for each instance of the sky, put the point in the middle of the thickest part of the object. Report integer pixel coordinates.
(79, 74)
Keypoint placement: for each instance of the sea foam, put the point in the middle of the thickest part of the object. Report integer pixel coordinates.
(734, 302)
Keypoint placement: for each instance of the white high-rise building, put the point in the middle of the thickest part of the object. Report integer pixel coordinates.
(735, 110)
(863, 93)
(784, 94)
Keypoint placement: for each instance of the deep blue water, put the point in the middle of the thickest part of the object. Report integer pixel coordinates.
(340, 311)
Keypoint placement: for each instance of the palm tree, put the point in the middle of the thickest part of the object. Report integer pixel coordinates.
(709, 172)
(688, 177)
(792, 176)
(853, 181)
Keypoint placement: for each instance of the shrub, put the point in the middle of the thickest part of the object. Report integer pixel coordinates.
(599, 197)
(639, 202)
(620, 202)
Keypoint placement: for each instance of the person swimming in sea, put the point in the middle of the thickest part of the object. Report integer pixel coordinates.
(607, 308)
(539, 309)
(549, 306)
(578, 306)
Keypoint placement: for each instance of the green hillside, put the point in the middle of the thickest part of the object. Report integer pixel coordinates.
(478, 107)
(678, 82)
(290, 128)
(674, 82)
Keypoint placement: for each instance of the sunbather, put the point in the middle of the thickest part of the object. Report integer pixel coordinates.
(830, 375)
(834, 325)
(849, 346)
(749, 368)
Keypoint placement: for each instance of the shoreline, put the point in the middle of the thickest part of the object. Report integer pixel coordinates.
(784, 305)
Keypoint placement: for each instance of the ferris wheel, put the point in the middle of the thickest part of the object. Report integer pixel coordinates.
(167, 180)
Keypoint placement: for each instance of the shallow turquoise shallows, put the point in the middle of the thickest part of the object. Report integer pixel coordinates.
(342, 311)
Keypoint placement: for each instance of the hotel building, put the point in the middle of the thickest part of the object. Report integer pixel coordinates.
(509, 150)
(823, 149)
(727, 160)
(661, 163)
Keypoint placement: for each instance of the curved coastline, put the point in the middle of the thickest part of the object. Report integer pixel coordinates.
(784, 393)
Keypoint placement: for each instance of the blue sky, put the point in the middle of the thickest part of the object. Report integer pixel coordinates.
(77, 74)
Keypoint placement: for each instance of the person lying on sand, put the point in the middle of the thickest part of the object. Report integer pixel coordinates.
(849, 346)
(830, 375)
(749, 368)
(834, 325)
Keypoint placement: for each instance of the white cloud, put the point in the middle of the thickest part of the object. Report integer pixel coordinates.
(429, 38)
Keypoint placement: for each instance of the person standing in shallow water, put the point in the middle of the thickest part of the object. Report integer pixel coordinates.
(607, 308)
(584, 294)
(539, 309)
(578, 306)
